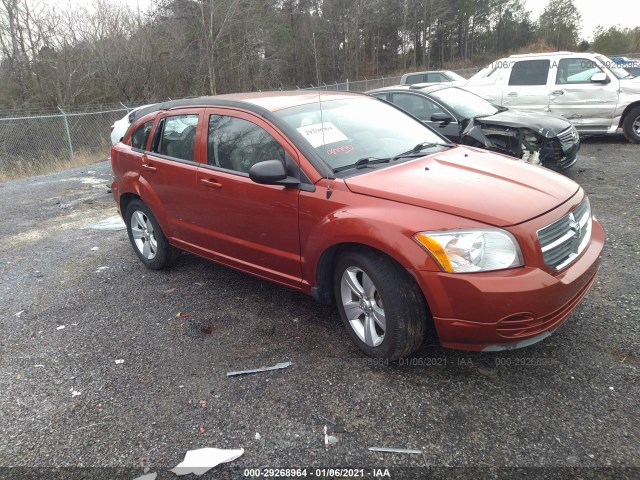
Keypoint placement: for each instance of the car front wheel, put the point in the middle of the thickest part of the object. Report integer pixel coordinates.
(147, 238)
(631, 126)
(381, 306)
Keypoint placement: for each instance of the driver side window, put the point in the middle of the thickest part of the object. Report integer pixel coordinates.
(576, 70)
(237, 144)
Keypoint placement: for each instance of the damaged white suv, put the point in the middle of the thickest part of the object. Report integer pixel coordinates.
(588, 89)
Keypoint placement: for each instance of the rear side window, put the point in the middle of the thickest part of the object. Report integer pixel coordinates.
(416, 78)
(177, 137)
(530, 72)
(436, 78)
(141, 135)
(237, 144)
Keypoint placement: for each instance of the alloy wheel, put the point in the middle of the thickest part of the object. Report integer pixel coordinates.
(363, 306)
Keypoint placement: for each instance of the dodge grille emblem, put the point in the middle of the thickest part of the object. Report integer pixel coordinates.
(574, 226)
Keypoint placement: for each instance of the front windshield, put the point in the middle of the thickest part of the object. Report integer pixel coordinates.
(614, 67)
(466, 104)
(351, 129)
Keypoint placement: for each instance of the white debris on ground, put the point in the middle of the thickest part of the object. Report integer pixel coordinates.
(114, 223)
(119, 361)
(202, 460)
(148, 476)
(60, 327)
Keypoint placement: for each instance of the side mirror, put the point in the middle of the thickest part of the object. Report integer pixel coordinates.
(442, 118)
(600, 77)
(271, 172)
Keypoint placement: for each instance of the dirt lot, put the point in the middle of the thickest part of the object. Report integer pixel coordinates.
(567, 406)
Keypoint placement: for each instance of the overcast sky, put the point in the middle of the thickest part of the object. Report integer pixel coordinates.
(598, 12)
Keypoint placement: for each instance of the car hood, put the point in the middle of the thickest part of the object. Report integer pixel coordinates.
(546, 124)
(471, 183)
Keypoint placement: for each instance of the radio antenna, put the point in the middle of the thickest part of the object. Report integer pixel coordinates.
(315, 55)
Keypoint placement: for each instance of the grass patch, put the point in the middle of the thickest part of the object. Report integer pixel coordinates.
(17, 167)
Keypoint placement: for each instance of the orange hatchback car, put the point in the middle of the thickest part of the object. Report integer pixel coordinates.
(347, 198)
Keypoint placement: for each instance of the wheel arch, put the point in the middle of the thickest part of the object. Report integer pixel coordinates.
(322, 291)
(626, 112)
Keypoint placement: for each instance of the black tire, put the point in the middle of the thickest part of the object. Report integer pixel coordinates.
(631, 125)
(395, 293)
(156, 258)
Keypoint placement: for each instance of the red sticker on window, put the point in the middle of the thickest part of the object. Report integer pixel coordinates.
(342, 149)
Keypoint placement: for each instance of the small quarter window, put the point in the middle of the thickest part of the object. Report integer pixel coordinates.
(141, 135)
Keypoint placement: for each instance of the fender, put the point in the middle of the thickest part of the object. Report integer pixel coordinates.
(377, 228)
(133, 182)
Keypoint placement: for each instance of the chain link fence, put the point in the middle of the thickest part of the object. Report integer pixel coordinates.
(30, 145)
(369, 84)
(41, 143)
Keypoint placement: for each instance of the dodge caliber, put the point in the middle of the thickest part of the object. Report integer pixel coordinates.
(350, 200)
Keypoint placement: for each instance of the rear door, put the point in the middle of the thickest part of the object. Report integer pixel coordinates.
(169, 169)
(247, 225)
(589, 105)
(527, 85)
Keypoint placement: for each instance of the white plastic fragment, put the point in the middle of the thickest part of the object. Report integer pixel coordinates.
(395, 450)
(119, 361)
(277, 366)
(95, 249)
(331, 440)
(112, 223)
(19, 313)
(258, 437)
(75, 393)
(99, 269)
(61, 327)
(610, 388)
(148, 476)
(202, 460)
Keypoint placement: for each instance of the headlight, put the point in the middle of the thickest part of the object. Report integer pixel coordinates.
(473, 250)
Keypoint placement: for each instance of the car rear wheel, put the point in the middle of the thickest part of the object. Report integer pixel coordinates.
(381, 306)
(631, 126)
(147, 238)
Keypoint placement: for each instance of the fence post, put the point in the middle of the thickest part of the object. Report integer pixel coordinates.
(347, 84)
(66, 127)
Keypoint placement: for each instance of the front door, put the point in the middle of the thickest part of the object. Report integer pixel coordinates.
(590, 106)
(247, 225)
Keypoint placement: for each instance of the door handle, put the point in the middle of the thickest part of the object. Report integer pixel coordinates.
(557, 92)
(210, 182)
(148, 167)
(512, 94)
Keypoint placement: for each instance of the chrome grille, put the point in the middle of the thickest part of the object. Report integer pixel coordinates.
(563, 240)
(568, 138)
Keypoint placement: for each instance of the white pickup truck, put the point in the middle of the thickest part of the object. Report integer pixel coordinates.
(589, 89)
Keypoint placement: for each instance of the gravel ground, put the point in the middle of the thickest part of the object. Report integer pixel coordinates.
(566, 406)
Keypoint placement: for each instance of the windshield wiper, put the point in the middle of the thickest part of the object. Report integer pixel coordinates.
(363, 163)
(420, 147)
(414, 152)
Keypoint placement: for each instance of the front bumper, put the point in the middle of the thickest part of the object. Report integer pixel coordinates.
(509, 308)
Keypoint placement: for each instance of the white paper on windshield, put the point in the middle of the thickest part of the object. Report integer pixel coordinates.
(317, 135)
